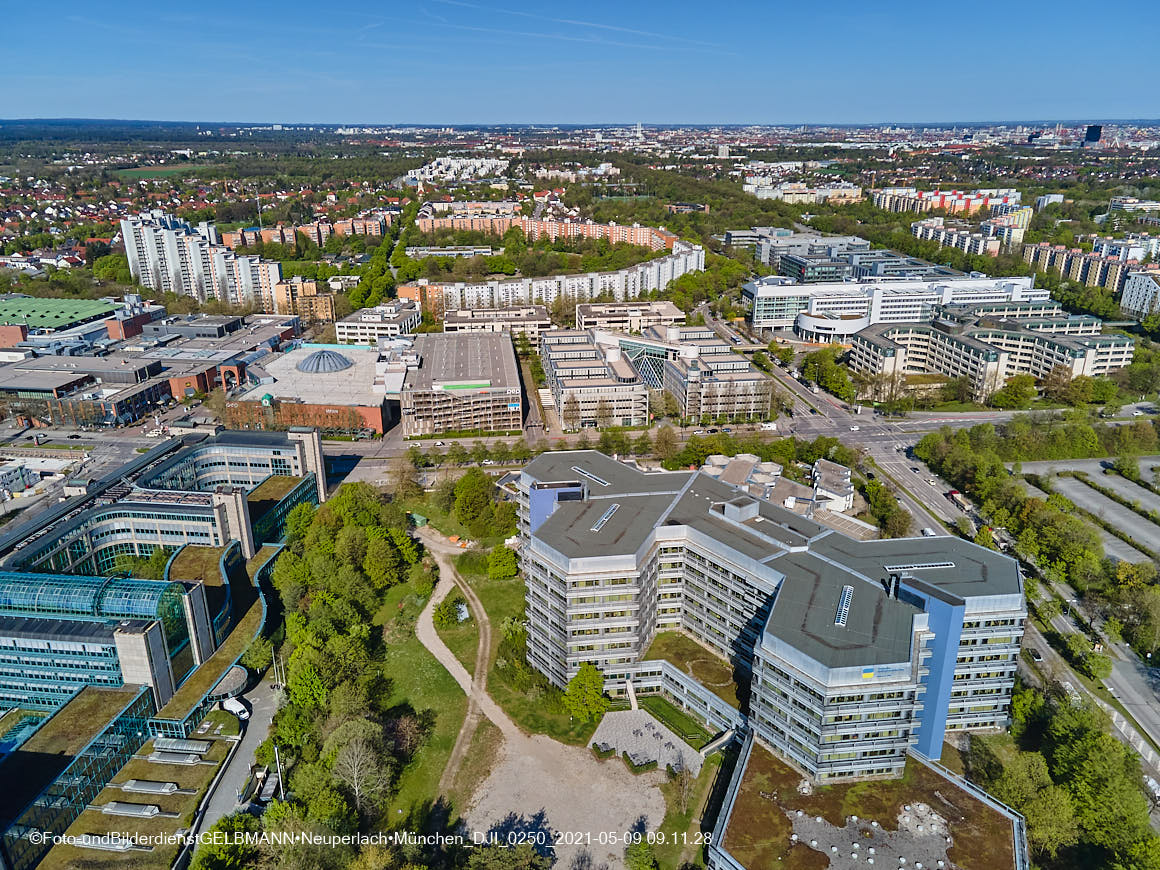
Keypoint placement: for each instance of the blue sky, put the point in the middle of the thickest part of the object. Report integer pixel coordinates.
(480, 61)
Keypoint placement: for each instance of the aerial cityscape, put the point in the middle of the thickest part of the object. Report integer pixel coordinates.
(481, 462)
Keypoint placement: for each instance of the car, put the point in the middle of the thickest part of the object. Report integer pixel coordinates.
(726, 429)
(916, 471)
(769, 426)
(928, 533)
(855, 428)
(488, 462)
(438, 443)
(74, 436)
(814, 411)
(1137, 413)
(699, 432)
(1036, 655)
(932, 481)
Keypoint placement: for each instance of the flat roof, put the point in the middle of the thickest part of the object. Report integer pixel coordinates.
(451, 360)
(51, 313)
(877, 629)
(354, 386)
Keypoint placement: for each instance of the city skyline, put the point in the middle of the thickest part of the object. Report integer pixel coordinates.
(462, 63)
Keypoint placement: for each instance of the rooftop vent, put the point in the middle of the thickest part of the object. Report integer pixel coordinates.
(324, 362)
(599, 480)
(605, 518)
(843, 612)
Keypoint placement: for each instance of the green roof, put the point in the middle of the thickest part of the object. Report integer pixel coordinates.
(52, 313)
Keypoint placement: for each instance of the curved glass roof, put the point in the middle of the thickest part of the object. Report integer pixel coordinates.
(324, 362)
(74, 596)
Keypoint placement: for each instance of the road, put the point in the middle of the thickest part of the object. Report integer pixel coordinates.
(224, 800)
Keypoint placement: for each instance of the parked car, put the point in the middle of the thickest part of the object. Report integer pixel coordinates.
(1036, 655)
(235, 706)
(928, 533)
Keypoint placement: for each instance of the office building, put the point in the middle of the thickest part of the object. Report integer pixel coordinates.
(987, 344)
(811, 269)
(592, 386)
(625, 284)
(834, 312)
(389, 320)
(1132, 204)
(769, 249)
(531, 321)
(302, 297)
(342, 391)
(631, 317)
(855, 652)
(902, 199)
(166, 254)
(1042, 202)
(461, 382)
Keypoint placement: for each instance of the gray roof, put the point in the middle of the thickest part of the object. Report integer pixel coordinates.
(878, 628)
(458, 358)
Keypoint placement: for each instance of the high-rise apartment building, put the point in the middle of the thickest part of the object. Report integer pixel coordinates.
(165, 253)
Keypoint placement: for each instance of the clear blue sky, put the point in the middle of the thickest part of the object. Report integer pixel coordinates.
(477, 61)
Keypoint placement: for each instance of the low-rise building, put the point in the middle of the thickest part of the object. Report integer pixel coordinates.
(529, 320)
(389, 320)
(628, 316)
(461, 382)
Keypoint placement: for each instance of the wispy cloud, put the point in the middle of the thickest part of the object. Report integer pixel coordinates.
(578, 23)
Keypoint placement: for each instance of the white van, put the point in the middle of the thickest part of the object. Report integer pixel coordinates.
(769, 427)
(233, 705)
(928, 533)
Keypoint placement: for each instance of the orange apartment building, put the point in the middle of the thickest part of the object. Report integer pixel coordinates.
(302, 297)
(649, 237)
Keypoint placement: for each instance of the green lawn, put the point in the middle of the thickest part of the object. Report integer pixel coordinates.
(673, 852)
(683, 724)
(421, 683)
(463, 641)
(712, 671)
(196, 562)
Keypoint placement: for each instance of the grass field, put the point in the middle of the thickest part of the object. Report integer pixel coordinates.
(418, 683)
(481, 757)
(676, 720)
(463, 641)
(161, 171)
(712, 671)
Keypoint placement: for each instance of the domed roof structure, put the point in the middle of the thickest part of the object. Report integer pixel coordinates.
(323, 362)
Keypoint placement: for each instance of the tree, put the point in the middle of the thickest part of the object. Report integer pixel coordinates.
(666, 443)
(501, 563)
(584, 697)
(683, 781)
(473, 494)
(571, 412)
(498, 857)
(259, 654)
(360, 767)
(640, 856)
(446, 613)
(225, 847)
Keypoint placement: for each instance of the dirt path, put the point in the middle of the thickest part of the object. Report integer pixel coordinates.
(475, 687)
(536, 783)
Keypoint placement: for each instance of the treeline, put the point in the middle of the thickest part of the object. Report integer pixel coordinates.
(1049, 531)
(1078, 787)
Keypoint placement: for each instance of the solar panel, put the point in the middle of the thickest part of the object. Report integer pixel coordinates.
(605, 518)
(843, 612)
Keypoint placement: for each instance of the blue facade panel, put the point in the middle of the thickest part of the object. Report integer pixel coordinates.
(945, 619)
